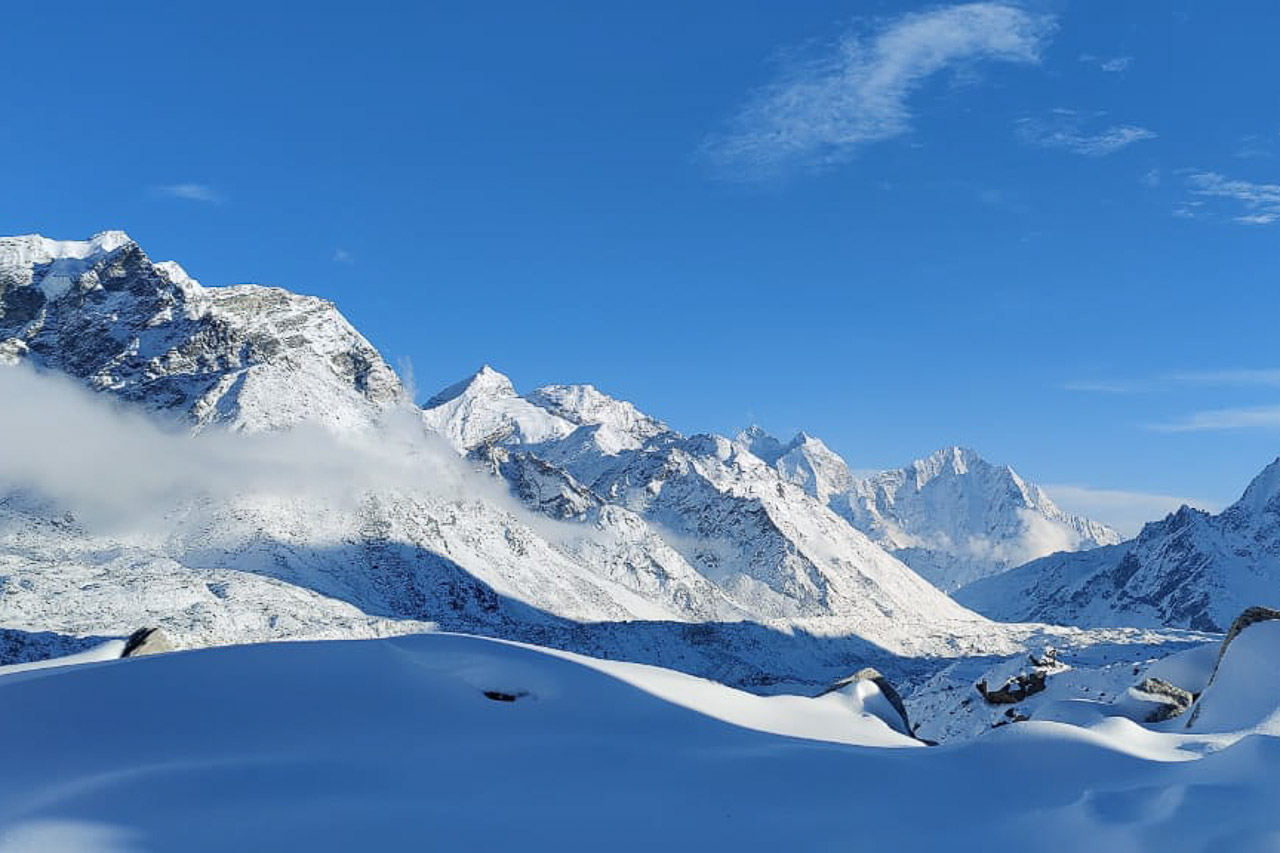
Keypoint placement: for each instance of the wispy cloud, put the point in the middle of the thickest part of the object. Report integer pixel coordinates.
(1255, 145)
(1112, 65)
(190, 192)
(1232, 377)
(1251, 203)
(1126, 511)
(1066, 130)
(821, 112)
(342, 256)
(1266, 376)
(1252, 417)
(1105, 386)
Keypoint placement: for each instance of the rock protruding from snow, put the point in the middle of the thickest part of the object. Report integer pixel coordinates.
(252, 358)
(1190, 570)
(872, 692)
(1244, 690)
(1013, 681)
(1154, 700)
(146, 641)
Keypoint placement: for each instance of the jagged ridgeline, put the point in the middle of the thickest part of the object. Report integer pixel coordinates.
(562, 515)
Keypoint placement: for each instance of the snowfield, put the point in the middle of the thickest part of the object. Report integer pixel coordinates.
(393, 744)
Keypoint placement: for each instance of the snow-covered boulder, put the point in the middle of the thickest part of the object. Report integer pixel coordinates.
(1244, 691)
(871, 693)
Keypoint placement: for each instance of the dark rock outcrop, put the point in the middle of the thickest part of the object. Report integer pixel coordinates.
(1166, 700)
(1250, 616)
(146, 641)
(1015, 689)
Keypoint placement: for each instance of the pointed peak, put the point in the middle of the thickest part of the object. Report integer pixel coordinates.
(485, 382)
(802, 439)
(31, 249)
(586, 405)
(955, 458)
(1262, 491)
(762, 444)
(109, 241)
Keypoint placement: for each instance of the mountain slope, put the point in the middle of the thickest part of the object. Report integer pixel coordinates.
(773, 550)
(258, 527)
(1191, 569)
(952, 516)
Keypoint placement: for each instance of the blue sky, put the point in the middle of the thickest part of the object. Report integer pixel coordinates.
(1045, 230)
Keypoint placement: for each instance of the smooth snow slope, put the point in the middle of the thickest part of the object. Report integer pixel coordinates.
(392, 744)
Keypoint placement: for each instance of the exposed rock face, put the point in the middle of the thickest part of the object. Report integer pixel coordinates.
(146, 641)
(1244, 688)
(248, 357)
(1011, 682)
(1166, 701)
(1251, 617)
(1015, 689)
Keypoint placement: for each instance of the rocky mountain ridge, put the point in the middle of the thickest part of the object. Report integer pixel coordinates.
(1191, 569)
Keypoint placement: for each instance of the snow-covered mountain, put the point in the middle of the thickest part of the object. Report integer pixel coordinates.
(771, 548)
(248, 357)
(1191, 569)
(952, 516)
(603, 530)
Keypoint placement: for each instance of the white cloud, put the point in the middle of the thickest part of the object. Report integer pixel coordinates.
(190, 192)
(342, 256)
(1105, 386)
(821, 112)
(1112, 65)
(1151, 178)
(1269, 376)
(1255, 145)
(114, 466)
(1126, 511)
(1252, 203)
(1065, 130)
(1235, 377)
(1247, 417)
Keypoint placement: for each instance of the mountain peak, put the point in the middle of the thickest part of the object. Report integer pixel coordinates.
(1262, 493)
(485, 382)
(586, 405)
(762, 444)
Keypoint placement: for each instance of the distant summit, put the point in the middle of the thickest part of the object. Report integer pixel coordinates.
(1190, 570)
(952, 516)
